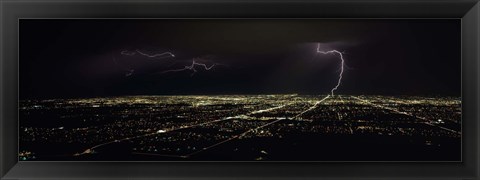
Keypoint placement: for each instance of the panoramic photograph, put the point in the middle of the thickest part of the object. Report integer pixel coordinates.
(240, 90)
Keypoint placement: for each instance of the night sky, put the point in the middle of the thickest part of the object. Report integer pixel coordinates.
(82, 58)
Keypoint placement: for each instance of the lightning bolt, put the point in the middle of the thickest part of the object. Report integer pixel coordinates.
(132, 53)
(340, 54)
(127, 53)
(156, 55)
(341, 68)
(159, 55)
(192, 66)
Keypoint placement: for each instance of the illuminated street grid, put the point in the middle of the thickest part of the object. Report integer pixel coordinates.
(196, 127)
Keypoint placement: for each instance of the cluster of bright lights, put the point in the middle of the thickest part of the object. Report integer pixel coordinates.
(312, 107)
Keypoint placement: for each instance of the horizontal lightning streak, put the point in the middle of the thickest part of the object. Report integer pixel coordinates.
(160, 55)
(192, 68)
(127, 53)
(132, 53)
(156, 55)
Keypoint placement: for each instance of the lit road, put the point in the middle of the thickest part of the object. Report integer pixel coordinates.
(424, 120)
(278, 107)
(91, 150)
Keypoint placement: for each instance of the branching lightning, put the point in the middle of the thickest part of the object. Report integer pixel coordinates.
(192, 66)
(341, 68)
(132, 53)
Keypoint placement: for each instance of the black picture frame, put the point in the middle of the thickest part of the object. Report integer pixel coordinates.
(13, 10)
